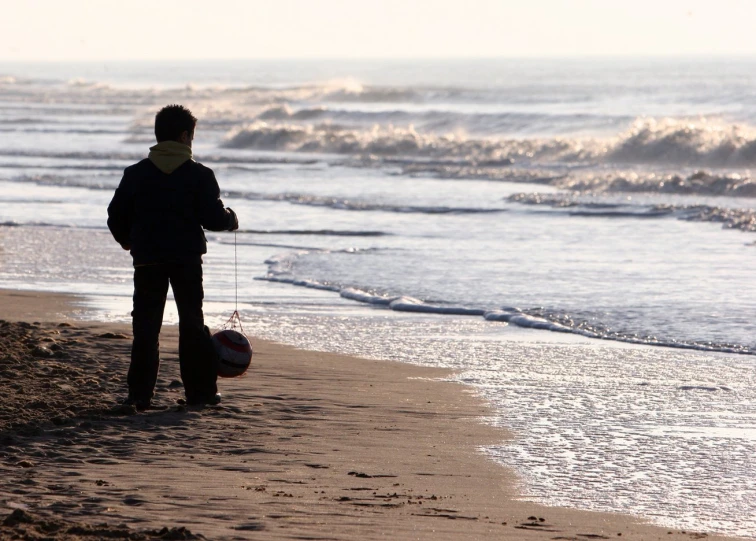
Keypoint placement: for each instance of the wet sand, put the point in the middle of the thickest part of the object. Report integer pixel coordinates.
(306, 445)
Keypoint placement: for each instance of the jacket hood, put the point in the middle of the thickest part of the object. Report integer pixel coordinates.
(169, 155)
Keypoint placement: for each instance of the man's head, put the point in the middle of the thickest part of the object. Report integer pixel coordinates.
(175, 123)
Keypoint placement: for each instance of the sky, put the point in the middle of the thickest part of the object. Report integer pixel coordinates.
(92, 30)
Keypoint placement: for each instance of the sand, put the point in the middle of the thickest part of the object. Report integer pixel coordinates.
(306, 445)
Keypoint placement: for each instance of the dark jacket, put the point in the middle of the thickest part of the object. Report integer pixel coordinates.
(161, 216)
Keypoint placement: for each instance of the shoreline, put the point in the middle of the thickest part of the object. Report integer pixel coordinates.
(307, 444)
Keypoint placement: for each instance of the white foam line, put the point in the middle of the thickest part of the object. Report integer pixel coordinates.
(410, 304)
(278, 272)
(362, 296)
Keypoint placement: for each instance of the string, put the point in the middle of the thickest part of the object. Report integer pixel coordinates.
(235, 318)
(236, 281)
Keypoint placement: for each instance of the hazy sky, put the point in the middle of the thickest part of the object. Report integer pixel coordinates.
(170, 29)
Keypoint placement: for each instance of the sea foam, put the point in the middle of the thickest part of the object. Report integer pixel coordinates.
(649, 141)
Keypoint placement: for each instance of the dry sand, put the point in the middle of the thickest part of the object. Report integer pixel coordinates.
(305, 446)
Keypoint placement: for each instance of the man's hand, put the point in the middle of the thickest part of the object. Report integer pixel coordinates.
(234, 221)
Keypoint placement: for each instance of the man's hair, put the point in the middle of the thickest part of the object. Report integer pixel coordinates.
(171, 121)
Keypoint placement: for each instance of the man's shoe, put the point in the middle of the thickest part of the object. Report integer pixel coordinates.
(212, 400)
(141, 404)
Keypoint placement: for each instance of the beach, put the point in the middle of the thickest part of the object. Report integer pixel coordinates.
(566, 245)
(306, 445)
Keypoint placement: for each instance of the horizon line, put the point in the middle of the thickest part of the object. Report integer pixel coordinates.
(592, 56)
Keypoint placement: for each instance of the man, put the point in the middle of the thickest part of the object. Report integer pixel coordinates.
(158, 212)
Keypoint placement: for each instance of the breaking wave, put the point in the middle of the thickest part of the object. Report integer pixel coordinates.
(100, 182)
(128, 158)
(14, 223)
(281, 268)
(699, 183)
(95, 182)
(665, 142)
(739, 219)
(435, 121)
(393, 141)
(84, 131)
(340, 203)
(686, 143)
(315, 232)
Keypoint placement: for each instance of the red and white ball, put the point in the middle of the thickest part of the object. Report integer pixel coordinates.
(234, 351)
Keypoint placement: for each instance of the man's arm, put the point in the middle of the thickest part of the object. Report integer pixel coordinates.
(213, 215)
(119, 213)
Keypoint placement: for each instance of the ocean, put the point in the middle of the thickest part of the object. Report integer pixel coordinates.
(575, 238)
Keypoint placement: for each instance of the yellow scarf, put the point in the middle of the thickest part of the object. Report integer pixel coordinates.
(169, 155)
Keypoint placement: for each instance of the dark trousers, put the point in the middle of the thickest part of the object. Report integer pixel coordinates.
(197, 356)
